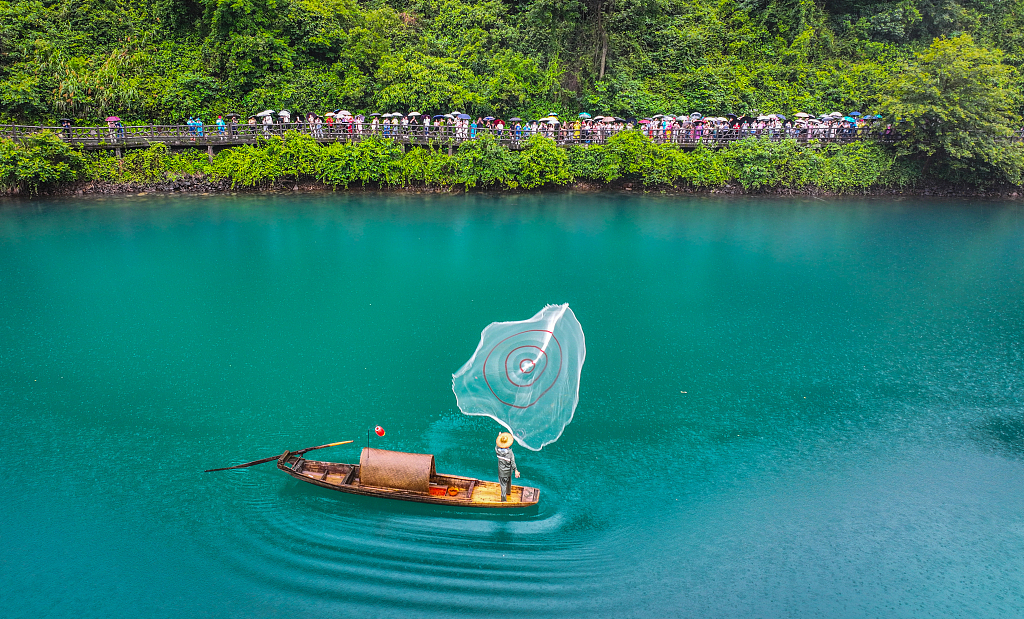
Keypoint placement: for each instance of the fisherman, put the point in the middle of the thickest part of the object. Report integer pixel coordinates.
(506, 464)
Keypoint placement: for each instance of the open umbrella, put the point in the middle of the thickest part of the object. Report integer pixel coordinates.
(375, 114)
(265, 113)
(414, 114)
(284, 113)
(584, 115)
(463, 117)
(854, 114)
(849, 119)
(836, 115)
(554, 114)
(802, 115)
(695, 116)
(111, 119)
(645, 122)
(488, 118)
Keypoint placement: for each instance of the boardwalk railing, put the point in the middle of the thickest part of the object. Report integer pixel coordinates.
(141, 136)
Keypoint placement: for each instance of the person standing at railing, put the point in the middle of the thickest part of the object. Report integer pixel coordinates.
(220, 126)
(65, 125)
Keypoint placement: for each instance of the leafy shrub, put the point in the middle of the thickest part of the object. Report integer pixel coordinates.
(702, 167)
(337, 164)
(248, 166)
(41, 159)
(378, 160)
(632, 155)
(487, 163)
(427, 166)
(591, 163)
(542, 162)
(857, 165)
(761, 164)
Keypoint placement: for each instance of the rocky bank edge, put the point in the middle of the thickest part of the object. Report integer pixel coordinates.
(202, 186)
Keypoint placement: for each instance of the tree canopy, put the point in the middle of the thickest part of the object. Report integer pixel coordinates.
(166, 60)
(955, 105)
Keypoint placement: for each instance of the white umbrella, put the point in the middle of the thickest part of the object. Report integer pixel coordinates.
(265, 113)
(284, 113)
(414, 114)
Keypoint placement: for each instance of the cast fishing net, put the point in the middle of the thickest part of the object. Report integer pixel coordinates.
(526, 375)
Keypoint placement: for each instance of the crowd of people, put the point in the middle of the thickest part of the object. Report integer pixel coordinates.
(583, 128)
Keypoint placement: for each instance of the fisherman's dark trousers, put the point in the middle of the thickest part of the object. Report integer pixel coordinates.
(506, 486)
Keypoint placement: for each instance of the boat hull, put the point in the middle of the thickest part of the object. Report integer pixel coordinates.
(453, 490)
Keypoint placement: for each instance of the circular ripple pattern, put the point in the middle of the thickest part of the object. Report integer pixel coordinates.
(383, 558)
(520, 362)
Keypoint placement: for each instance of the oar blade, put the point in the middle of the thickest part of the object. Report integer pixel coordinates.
(242, 466)
(255, 462)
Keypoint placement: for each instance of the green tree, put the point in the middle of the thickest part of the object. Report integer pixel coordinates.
(956, 110)
(41, 159)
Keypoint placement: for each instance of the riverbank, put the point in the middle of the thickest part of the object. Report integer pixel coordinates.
(208, 186)
(628, 162)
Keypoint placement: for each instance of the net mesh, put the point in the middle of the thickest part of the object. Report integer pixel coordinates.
(526, 375)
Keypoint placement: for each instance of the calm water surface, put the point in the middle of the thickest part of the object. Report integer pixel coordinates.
(790, 408)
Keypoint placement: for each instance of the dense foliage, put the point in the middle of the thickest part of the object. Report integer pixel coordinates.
(165, 60)
(628, 158)
(42, 160)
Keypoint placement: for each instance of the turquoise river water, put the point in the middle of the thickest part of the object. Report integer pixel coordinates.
(789, 408)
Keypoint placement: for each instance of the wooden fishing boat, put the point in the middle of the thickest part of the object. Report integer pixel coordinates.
(403, 476)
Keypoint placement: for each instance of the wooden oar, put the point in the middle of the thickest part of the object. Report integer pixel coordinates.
(255, 462)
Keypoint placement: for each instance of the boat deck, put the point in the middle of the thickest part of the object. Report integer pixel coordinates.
(444, 489)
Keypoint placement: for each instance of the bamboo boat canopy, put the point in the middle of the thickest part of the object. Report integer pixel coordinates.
(396, 469)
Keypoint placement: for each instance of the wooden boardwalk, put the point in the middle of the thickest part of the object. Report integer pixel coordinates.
(214, 137)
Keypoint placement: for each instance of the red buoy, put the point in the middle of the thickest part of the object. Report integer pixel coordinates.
(379, 430)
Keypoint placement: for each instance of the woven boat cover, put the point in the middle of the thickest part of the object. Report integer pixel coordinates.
(395, 469)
